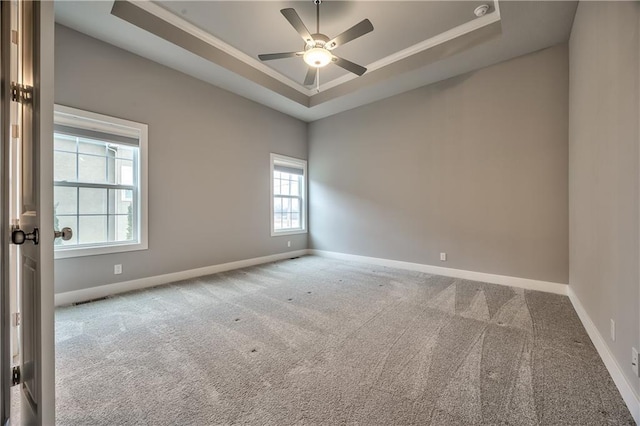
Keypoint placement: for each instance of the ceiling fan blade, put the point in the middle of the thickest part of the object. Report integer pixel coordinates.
(296, 22)
(349, 66)
(270, 56)
(358, 30)
(311, 76)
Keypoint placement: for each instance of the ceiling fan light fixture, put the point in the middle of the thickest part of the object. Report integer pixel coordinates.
(318, 47)
(317, 57)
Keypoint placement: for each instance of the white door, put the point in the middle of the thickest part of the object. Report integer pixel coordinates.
(5, 303)
(27, 119)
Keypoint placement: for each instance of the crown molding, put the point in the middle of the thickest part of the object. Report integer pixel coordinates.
(429, 43)
(300, 92)
(179, 22)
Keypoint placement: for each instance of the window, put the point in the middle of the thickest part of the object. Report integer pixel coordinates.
(99, 175)
(288, 195)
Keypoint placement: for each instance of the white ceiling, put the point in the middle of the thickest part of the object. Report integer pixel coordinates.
(414, 43)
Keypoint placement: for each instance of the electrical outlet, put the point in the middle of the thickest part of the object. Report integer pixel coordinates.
(634, 360)
(288, 243)
(443, 256)
(613, 330)
(117, 269)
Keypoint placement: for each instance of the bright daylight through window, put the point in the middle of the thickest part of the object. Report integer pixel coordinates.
(99, 183)
(288, 188)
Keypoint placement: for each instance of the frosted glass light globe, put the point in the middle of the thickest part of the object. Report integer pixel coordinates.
(317, 57)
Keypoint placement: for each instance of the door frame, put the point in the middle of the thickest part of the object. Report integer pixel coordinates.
(5, 261)
(38, 33)
(41, 30)
(44, 30)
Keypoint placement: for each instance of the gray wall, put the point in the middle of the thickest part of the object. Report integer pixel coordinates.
(475, 166)
(604, 172)
(208, 162)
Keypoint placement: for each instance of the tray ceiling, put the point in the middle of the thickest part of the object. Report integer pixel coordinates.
(413, 43)
(259, 27)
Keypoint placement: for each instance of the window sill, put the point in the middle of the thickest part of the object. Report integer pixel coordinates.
(66, 253)
(292, 232)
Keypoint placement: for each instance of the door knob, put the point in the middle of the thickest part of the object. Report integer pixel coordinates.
(66, 234)
(18, 236)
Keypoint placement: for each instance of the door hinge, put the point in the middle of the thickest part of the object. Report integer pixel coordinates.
(21, 93)
(14, 37)
(15, 375)
(17, 319)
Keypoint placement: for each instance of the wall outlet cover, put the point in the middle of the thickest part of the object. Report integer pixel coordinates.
(443, 256)
(117, 269)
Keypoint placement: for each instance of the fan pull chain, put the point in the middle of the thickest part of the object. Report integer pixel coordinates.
(318, 81)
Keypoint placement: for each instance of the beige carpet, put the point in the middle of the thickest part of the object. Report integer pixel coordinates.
(318, 341)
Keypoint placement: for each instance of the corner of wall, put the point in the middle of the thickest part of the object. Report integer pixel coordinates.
(629, 395)
(603, 156)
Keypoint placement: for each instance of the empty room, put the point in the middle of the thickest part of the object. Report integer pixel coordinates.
(321, 212)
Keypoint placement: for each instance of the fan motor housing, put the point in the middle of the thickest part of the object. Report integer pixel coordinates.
(319, 40)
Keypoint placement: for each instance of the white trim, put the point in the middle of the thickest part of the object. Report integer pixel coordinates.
(177, 21)
(460, 30)
(529, 284)
(288, 232)
(73, 251)
(293, 162)
(638, 218)
(210, 39)
(629, 395)
(121, 287)
(94, 121)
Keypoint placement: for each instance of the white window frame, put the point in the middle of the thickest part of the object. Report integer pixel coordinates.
(283, 160)
(81, 119)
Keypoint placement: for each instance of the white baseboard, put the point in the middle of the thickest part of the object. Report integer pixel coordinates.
(626, 390)
(629, 395)
(526, 283)
(121, 287)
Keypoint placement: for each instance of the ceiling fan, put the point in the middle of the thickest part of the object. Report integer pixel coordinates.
(318, 47)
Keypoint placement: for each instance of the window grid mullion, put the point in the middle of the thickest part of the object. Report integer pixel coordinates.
(93, 185)
(92, 214)
(108, 221)
(77, 159)
(78, 215)
(107, 186)
(106, 166)
(134, 196)
(106, 179)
